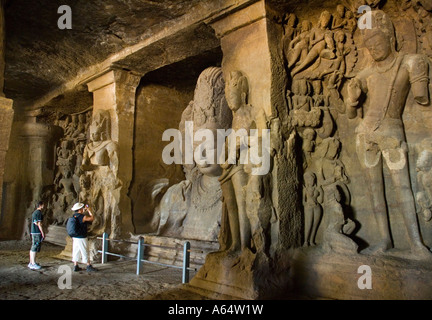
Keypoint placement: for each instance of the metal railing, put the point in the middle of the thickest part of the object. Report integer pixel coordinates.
(140, 255)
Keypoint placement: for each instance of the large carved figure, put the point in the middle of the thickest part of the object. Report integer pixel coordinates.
(100, 162)
(235, 177)
(380, 135)
(192, 208)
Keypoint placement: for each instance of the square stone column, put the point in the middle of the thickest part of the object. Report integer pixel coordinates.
(114, 91)
(6, 118)
(29, 170)
(249, 40)
(245, 45)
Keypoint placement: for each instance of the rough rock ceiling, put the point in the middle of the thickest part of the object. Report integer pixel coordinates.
(40, 57)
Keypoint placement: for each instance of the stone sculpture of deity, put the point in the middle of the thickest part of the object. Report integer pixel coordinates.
(380, 135)
(192, 208)
(235, 178)
(100, 162)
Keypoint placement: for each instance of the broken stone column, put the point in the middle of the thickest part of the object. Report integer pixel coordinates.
(113, 95)
(247, 41)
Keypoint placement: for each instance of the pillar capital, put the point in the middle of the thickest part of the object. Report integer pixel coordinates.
(240, 19)
(246, 48)
(111, 76)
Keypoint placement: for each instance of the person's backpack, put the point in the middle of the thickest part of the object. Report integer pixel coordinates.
(73, 227)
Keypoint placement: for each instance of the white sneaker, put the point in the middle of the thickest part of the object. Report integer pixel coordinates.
(34, 266)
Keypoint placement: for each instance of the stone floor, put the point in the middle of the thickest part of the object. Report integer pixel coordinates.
(114, 281)
(116, 288)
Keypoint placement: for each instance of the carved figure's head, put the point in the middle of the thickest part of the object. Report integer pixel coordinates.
(380, 40)
(340, 9)
(236, 90)
(309, 179)
(325, 19)
(84, 182)
(331, 148)
(301, 87)
(209, 104)
(305, 26)
(209, 110)
(99, 129)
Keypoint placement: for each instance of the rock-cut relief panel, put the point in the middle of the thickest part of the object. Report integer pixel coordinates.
(319, 58)
(69, 150)
(358, 99)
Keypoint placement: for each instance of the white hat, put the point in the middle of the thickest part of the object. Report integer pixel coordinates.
(77, 206)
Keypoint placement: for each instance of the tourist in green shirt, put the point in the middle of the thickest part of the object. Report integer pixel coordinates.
(37, 235)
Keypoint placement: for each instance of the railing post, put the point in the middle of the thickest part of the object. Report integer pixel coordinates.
(104, 247)
(186, 256)
(140, 255)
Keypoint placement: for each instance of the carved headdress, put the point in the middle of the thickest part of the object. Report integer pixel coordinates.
(101, 124)
(380, 24)
(210, 109)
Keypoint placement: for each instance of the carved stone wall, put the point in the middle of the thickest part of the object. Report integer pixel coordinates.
(356, 128)
(346, 98)
(323, 56)
(69, 180)
(359, 99)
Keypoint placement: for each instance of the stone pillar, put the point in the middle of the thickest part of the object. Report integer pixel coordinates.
(249, 44)
(114, 91)
(245, 47)
(6, 117)
(6, 110)
(30, 169)
(2, 47)
(40, 140)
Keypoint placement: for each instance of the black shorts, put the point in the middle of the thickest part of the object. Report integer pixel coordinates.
(36, 242)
